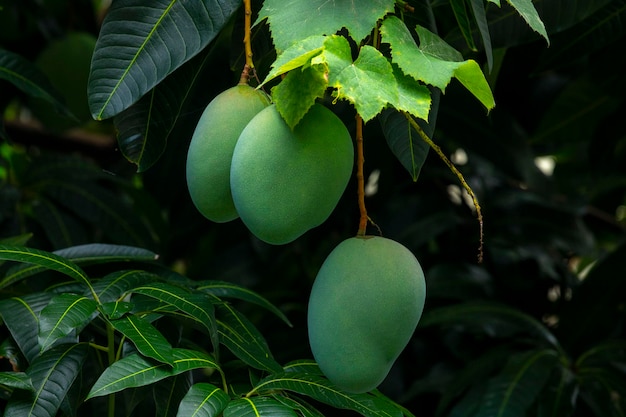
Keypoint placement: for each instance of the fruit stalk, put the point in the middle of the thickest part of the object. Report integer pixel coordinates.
(249, 66)
(360, 176)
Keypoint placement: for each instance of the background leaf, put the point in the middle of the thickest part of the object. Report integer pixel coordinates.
(139, 46)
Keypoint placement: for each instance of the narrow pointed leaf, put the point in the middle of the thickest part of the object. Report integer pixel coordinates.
(320, 389)
(299, 405)
(25, 75)
(147, 339)
(478, 8)
(203, 400)
(139, 45)
(459, 8)
(136, 371)
(320, 17)
(307, 366)
(515, 389)
(52, 373)
(492, 319)
(118, 283)
(527, 10)
(223, 289)
(17, 380)
(244, 340)
(43, 259)
(197, 306)
(21, 316)
(257, 407)
(64, 314)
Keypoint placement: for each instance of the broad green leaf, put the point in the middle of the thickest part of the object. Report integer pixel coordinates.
(298, 91)
(434, 62)
(462, 15)
(244, 340)
(257, 407)
(527, 10)
(52, 374)
(320, 389)
(320, 17)
(147, 339)
(16, 380)
(478, 8)
(298, 404)
(65, 314)
(197, 306)
(203, 400)
(368, 82)
(404, 141)
(489, 318)
(25, 75)
(21, 316)
(137, 371)
(512, 392)
(144, 128)
(169, 393)
(296, 56)
(43, 259)
(139, 45)
(118, 283)
(413, 97)
(223, 289)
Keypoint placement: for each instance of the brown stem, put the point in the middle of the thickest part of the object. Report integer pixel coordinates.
(360, 176)
(246, 36)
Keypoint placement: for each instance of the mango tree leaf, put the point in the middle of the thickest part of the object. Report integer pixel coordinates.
(136, 371)
(144, 128)
(118, 283)
(223, 289)
(298, 404)
(25, 75)
(320, 389)
(147, 339)
(404, 142)
(197, 306)
(139, 45)
(512, 392)
(598, 387)
(17, 380)
(559, 396)
(52, 373)
(492, 319)
(308, 366)
(244, 340)
(527, 10)
(203, 400)
(434, 62)
(257, 407)
(64, 314)
(478, 8)
(320, 17)
(21, 316)
(298, 91)
(462, 15)
(43, 259)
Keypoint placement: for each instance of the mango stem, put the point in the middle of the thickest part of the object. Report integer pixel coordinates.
(360, 176)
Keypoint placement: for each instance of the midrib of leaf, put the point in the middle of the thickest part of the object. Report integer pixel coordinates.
(140, 333)
(125, 377)
(518, 377)
(56, 325)
(132, 61)
(50, 371)
(30, 310)
(256, 412)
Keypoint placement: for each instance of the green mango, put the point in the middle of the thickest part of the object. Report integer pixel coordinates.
(364, 306)
(211, 149)
(285, 182)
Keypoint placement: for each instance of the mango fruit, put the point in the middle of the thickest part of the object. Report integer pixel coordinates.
(364, 306)
(285, 182)
(211, 149)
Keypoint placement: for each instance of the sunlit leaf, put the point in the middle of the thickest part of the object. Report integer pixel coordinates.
(320, 17)
(297, 92)
(52, 375)
(64, 314)
(296, 56)
(203, 400)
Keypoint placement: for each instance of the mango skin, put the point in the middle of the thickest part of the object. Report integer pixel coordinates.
(211, 149)
(286, 182)
(364, 306)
